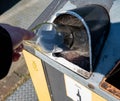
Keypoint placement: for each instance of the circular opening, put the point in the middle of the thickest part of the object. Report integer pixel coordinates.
(74, 32)
(75, 38)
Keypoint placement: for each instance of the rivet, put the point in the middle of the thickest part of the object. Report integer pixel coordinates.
(91, 86)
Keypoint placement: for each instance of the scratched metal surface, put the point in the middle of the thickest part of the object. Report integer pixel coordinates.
(58, 4)
(110, 53)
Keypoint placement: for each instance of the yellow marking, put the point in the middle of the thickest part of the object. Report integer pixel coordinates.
(37, 75)
(34, 66)
(96, 97)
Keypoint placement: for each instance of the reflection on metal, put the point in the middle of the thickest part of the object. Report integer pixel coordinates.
(96, 35)
(111, 83)
(84, 29)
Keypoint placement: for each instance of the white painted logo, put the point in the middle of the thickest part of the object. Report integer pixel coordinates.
(76, 91)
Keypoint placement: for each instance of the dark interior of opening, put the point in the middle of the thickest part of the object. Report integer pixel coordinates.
(114, 77)
(75, 40)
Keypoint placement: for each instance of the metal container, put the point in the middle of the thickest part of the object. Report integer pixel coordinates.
(85, 30)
